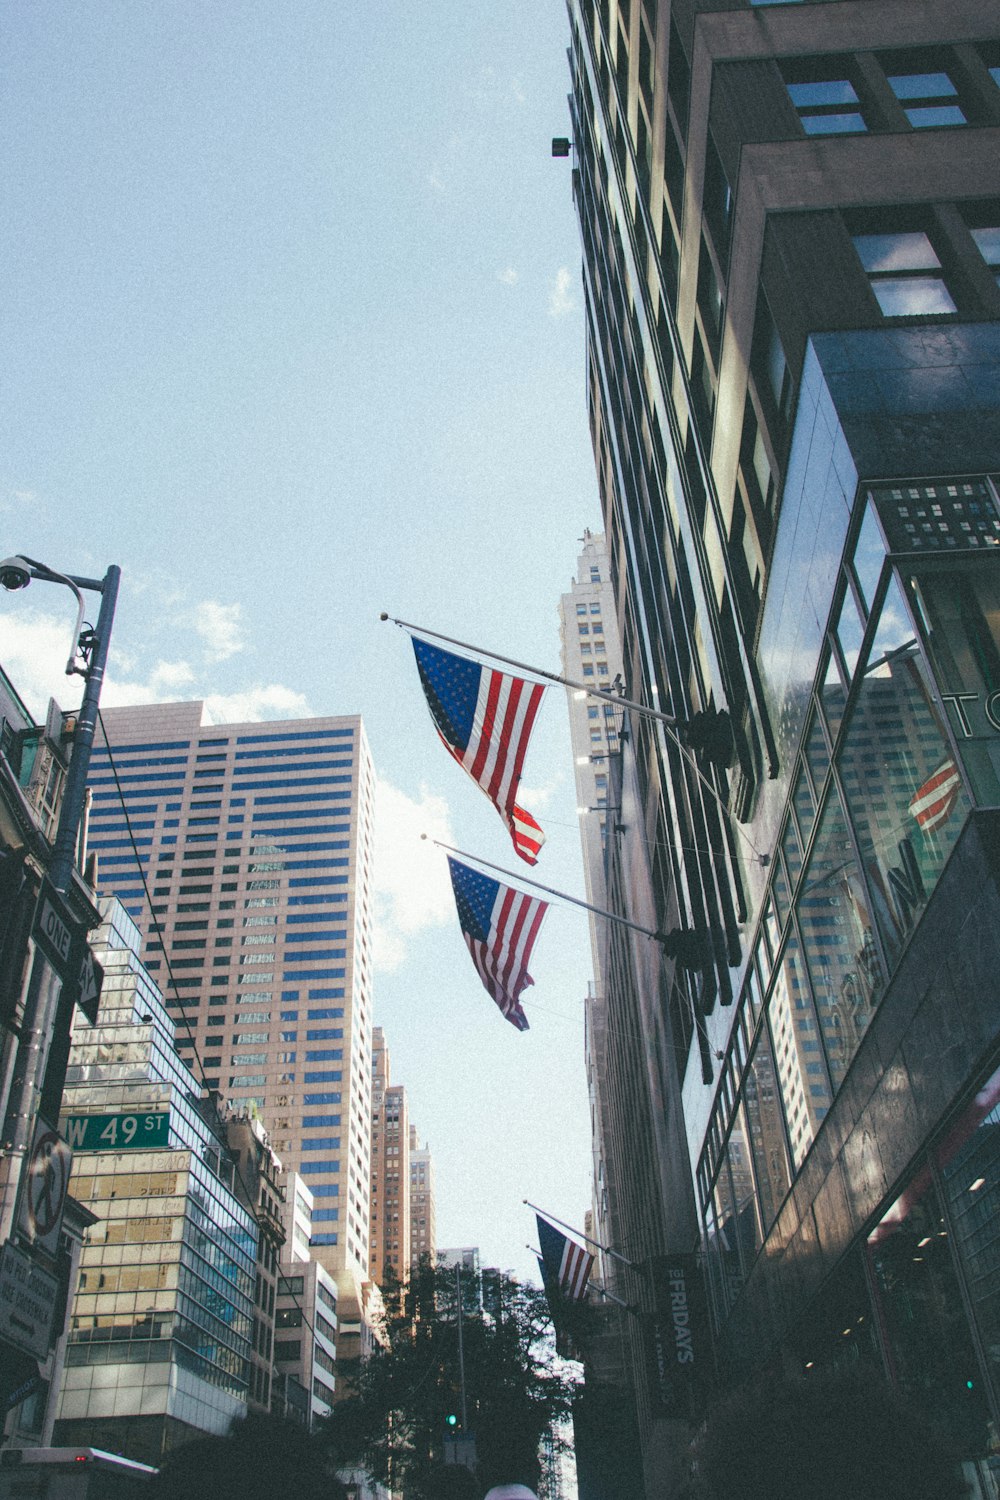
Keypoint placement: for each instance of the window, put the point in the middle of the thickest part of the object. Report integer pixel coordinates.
(983, 220)
(905, 273)
(929, 100)
(990, 54)
(825, 106)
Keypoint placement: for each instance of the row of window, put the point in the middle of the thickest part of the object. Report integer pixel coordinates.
(835, 96)
(906, 271)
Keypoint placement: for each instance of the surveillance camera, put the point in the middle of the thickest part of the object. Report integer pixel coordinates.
(15, 573)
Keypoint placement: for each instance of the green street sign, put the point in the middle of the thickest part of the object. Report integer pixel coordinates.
(132, 1132)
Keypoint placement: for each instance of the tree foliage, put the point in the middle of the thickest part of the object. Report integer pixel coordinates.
(395, 1423)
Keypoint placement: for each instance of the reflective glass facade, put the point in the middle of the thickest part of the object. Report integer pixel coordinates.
(793, 326)
(160, 1328)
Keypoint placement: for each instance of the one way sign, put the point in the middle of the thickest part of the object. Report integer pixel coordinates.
(91, 979)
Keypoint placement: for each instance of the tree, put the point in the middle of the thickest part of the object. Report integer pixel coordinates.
(395, 1422)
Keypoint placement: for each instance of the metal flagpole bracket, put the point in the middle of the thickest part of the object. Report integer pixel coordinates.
(707, 730)
(600, 911)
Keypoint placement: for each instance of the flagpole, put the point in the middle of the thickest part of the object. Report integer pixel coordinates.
(606, 1249)
(669, 723)
(612, 916)
(635, 1311)
(596, 1286)
(616, 698)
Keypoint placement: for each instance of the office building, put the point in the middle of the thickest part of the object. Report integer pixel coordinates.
(618, 1094)
(591, 655)
(790, 216)
(159, 1339)
(390, 1187)
(423, 1212)
(260, 1183)
(462, 1262)
(43, 943)
(305, 1352)
(255, 846)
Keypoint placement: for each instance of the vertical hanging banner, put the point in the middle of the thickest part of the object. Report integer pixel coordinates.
(681, 1339)
(485, 719)
(500, 926)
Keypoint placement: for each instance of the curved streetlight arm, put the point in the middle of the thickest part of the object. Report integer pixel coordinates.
(42, 571)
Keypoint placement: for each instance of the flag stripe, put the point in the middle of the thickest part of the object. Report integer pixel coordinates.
(932, 804)
(568, 1263)
(500, 926)
(485, 719)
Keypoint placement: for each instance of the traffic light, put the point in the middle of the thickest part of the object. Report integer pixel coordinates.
(451, 1421)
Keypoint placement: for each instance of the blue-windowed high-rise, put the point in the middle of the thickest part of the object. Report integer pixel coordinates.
(251, 882)
(158, 1347)
(790, 217)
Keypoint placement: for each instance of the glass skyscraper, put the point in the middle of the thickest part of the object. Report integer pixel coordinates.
(790, 218)
(158, 1348)
(250, 878)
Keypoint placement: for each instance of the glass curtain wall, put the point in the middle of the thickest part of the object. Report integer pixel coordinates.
(902, 740)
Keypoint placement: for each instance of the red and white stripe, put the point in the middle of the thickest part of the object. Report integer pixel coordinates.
(502, 960)
(932, 805)
(574, 1272)
(501, 729)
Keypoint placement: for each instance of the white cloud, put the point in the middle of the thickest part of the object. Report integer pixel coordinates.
(15, 501)
(508, 276)
(219, 626)
(535, 799)
(412, 889)
(169, 675)
(491, 91)
(34, 649)
(270, 701)
(560, 300)
(35, 646)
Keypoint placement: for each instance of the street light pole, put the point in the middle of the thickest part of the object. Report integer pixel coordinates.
(461, 1347)
(75, 790)
(43, 1050)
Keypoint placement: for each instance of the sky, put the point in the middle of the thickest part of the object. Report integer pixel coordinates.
(293, 333)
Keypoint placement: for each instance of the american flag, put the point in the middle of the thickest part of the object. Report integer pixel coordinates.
(485, 719)
(567, 1264)
(932, 803)
(500, 926)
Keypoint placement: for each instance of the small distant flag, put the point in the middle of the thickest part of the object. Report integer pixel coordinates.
(500, 926)
(933, 803)
(485, 719)
(565, 1264)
